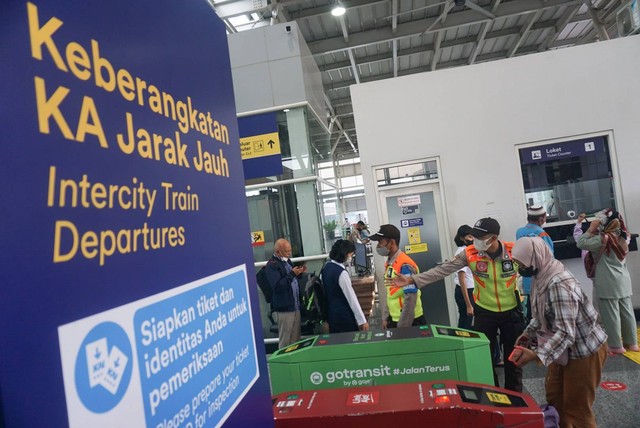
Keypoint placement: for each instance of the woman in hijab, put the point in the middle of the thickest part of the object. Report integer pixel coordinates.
(563, 334)
(606, 239)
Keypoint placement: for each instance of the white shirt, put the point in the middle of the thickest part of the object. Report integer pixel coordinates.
(468, 276)
(344, 281)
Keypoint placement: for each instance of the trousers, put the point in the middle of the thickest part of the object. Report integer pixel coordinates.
(511, 325)
(571, 389)
(288, 328)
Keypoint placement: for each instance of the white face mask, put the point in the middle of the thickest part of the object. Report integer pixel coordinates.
(348, 261)
(480, 244)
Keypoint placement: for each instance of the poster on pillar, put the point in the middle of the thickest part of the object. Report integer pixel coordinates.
(128, 290)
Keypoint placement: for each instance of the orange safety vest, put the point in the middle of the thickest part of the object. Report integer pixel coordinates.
(495, 280)
(395, 294)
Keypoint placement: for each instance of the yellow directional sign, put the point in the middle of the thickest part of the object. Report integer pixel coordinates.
(260, 145)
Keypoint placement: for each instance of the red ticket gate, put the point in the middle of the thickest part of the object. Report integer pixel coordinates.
(440, 403)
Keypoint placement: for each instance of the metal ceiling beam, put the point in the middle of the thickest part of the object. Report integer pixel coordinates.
(463, 61)
(323, 10)
(455, 20)
(439, 19)
(233, 8)
(230, 28)
(354, 67)
(482, 34)
(394, 44)
(436, 46)
(278, 12)
(564, 20)
(436, 50)
(420, 49)
(338, 122)
(352, 60)
(597, 24)
(337, 102)
(608, 18)
(471, 5)
(523, 33)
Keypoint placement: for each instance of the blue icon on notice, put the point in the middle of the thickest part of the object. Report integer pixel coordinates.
(103, 367)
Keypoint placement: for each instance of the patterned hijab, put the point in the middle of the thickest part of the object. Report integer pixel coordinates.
(615, 229)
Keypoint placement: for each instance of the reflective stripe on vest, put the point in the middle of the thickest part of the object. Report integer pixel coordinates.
(395, 295)
(495, 280)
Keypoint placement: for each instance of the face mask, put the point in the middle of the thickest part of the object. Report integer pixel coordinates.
(480, 244)
(348, 261)
(383, 251)
(528, 272)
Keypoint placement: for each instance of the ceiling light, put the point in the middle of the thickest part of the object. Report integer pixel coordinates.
(338, 10)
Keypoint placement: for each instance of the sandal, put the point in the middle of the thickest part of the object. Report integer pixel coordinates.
(616, 351)
(632, 348)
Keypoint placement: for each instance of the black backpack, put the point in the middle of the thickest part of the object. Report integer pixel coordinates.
(314, 299)
(263, 283)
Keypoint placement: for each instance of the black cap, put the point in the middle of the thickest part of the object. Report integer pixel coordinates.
(485, 226)
(387, 231)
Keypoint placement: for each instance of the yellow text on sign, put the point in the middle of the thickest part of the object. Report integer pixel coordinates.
(414, 235)
(498, 398)
(258, 146)
(417, 248)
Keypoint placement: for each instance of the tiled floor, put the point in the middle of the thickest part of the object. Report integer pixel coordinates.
(613, 409)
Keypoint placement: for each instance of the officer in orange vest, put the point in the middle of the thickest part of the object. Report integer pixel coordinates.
(497, 303)
(404, 307)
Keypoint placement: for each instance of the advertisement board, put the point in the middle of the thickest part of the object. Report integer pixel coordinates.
(128, 290)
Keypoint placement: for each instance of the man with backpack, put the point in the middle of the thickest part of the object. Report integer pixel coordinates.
(285, 292)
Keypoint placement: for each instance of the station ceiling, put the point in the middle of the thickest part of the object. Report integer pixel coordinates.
(386, 39)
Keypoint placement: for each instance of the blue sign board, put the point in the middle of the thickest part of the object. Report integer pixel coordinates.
(412, 222)
(559, 151)
(258, 166)
(128, 282)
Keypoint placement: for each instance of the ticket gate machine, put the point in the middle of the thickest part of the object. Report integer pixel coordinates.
(439, 404)
(391, 356)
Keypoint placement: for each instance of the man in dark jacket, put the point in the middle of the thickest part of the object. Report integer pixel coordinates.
(285, 300)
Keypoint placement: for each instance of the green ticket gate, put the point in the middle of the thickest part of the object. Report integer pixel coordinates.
(414, 354)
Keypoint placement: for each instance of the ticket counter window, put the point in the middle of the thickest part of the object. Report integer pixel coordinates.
(569, 177)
